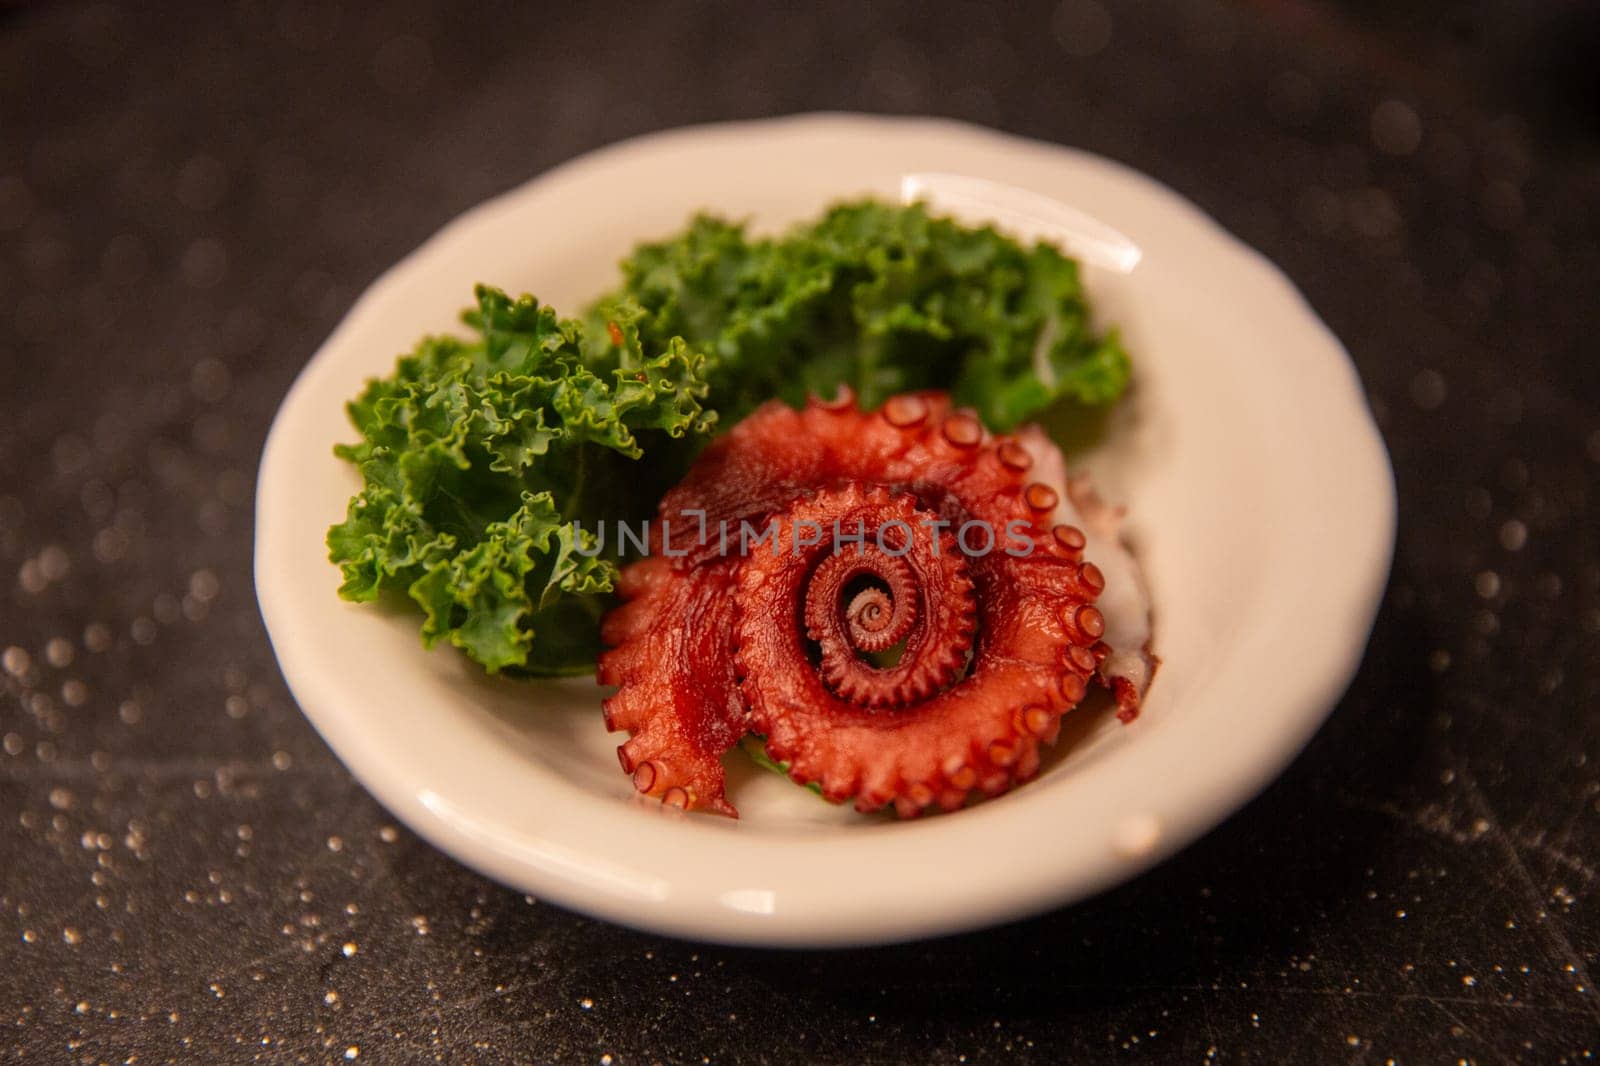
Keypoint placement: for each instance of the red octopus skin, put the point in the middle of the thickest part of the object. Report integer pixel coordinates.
(718, 638)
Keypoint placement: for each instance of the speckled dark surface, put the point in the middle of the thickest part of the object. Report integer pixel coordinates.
(189, 201)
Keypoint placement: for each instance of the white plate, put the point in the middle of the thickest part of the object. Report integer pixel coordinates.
(1260, 497)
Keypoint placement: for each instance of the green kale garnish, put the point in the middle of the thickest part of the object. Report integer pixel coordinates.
(883, 299)
(478, 458)
(478, 455)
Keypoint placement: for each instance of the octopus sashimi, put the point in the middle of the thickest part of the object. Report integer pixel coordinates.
(893, 599)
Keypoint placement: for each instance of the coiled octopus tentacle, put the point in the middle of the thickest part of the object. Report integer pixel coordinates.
(827, 540)
(922, 596)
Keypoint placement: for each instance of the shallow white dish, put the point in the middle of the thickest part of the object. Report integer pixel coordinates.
(1261, 503)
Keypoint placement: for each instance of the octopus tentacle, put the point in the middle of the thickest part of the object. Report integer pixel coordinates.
(677, 696)
(925, 592)
(911, 642)
(1127, 665)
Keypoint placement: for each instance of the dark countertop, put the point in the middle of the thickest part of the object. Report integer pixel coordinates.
(189, 201)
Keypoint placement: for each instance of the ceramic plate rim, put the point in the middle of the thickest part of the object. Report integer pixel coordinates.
(692, 878)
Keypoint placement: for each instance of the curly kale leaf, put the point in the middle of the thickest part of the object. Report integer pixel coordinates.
(477, 457)
(881, 298)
